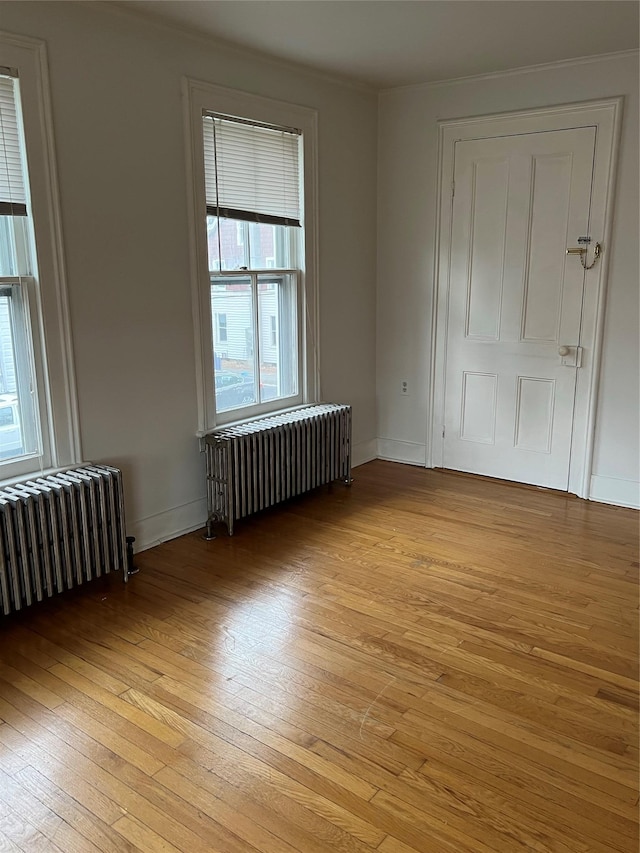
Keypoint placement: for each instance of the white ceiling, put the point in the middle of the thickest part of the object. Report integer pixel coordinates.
(387, 43)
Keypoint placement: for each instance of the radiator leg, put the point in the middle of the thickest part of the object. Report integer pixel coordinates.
(348, 480)
(209, 535)
(131, 569)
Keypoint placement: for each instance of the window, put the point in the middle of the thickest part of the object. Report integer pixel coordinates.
(252, 190)
(253, 163)
(20, 437)
(38, 429)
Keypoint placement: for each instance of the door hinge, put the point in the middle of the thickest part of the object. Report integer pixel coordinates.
(453, 188)
(443, 432)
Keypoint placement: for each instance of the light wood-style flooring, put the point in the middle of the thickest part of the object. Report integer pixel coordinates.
(423, 663)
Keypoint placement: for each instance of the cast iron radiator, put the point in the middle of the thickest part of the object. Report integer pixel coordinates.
(58, 531)
(255, 465)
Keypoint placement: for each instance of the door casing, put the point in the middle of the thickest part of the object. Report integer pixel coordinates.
(605, 116)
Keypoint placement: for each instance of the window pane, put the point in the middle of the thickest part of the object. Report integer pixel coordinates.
(233, 357)
(7, 253)
(18, 425)
(226, 242)
(269, 246)
(277, 318)
(13, 246)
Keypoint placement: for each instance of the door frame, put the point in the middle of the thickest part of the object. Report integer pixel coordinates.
(606, 116)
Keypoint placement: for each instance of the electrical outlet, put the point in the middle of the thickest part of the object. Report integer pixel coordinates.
(404, 388)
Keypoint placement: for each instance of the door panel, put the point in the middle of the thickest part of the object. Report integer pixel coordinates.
(490, 184)
(514, 298)
(534, 414)
(544, 275)
(478, 410)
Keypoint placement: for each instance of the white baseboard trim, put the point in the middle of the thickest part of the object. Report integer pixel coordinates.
(175, 522)
(170, 524)
(364, 451)
(402, 451)
(611, 490)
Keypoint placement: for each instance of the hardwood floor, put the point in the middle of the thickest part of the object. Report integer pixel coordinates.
(423, 663)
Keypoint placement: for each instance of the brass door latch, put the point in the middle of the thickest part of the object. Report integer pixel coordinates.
(582, 251)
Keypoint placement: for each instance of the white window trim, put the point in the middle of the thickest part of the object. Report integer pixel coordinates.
(59, 400)
(199, 96)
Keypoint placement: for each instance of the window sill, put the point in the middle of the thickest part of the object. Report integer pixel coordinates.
(40, 472)
(200, 434)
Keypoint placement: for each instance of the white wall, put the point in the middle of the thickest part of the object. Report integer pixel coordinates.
(407, 178)
(116, 92)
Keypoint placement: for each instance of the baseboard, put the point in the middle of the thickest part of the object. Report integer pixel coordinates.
(183, 519)
(402, 451)
(611, 490)
(167, 525)
(364, 451)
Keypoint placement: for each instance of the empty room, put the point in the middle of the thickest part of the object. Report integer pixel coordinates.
(319, 426)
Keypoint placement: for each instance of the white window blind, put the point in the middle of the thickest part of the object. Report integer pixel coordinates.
(13, 197)
(252, 171)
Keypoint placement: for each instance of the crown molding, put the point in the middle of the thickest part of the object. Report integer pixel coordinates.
(122, 9)
(512, 72)
(26, 42)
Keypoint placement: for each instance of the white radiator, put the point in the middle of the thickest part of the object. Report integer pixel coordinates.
(255, 465)
(58, 531)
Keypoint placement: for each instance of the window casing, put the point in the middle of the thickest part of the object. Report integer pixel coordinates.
(252, 271)
(38, 422)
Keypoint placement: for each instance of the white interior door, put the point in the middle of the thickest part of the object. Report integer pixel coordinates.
(515, 300)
